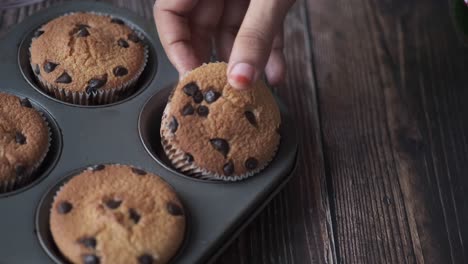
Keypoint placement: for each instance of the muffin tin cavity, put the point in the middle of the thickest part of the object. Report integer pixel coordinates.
(43, 211)
(149, 125)
(43, 217)
(52, 156)
(150, 133)
(143, 81)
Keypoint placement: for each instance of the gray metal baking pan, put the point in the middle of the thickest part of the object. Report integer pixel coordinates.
(126, 132)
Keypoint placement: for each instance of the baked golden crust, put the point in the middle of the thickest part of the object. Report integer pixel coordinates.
(87, 46)
(24, 138)
(117, 214)
(246, 121)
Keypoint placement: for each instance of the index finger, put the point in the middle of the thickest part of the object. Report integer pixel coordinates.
(172, 23)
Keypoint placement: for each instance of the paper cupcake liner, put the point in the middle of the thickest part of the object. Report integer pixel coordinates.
(99, 97)
(29, 175)
(178, 160)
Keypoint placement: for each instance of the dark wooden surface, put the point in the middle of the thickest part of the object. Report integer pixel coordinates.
(379, 90)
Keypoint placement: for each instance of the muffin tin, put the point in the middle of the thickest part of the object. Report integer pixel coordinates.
(125, 132)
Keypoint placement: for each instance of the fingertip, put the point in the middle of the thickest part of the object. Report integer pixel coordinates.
(182, 69)
(182, 57)
(275, 76)
(275, 69)
(182, 74)
(185, 69)
(241, 75)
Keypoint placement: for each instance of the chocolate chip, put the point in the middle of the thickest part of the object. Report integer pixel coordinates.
(198, 97)
(191, 89)
(173, 125)
(25, 102)
(96, 83)
(120, 71)
(38, 33)
(20, 138)
(187, 110)
(122, 43)
(220, 145)
(64, 78)
(134, 215)
(188, 157)
(20, 170)
(174, 209)
(64, 207)
(211, 96)
(89, 242)
(133, 37)
(117, 21)
(98, 167)
(49, 66)
(145, 259)
(251, 163)
(90, 259)
(37, 69)
(251, 118)
(138, 171)
(83, 32)
(228, 168)
(112, 204)
(203, 110)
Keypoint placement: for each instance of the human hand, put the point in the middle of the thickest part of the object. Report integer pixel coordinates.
(246, 33)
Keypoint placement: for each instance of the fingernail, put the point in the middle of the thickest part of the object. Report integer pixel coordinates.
(241, 75)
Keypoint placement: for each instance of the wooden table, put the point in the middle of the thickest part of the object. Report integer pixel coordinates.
(379, 91)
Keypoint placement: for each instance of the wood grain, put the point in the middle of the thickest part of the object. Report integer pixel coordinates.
(296, 226)
(392, 79)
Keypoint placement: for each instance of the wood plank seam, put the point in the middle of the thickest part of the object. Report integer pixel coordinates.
(333, 256)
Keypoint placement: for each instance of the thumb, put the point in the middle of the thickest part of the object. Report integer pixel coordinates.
(253, 44)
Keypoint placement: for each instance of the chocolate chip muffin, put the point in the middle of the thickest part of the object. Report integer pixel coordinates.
(24, 141)
(212, 131)
(86, 58)
(117, 214)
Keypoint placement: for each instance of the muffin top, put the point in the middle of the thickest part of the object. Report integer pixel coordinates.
(24, 137)
(84, 52)
(222, 130)
(117, 214)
